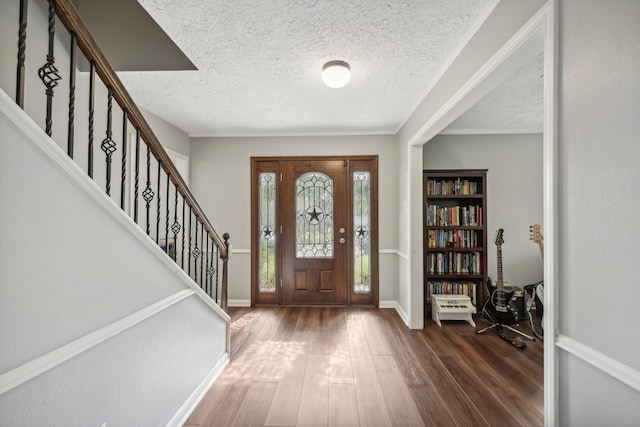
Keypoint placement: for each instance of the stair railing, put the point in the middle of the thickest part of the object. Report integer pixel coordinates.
(172, 217)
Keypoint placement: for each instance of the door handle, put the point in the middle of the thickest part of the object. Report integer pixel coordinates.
(342, 240)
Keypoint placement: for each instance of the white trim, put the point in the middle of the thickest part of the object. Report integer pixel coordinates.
(240, 251)
(525, 44)
(194, 399)
(550, 212)
(606, 364)
(239, 303)
(394, 304)
(387, 304)
(453, 56)
(403, 315)
(398, 308)
(403, 255)
(488, 131)
(35, 367)
(389, 252)
(389, 132)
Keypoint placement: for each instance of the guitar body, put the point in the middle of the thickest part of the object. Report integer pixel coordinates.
(501, 306)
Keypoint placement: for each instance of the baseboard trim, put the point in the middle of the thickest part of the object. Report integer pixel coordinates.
(198, 394)
(606, 364)
(239, 303)
(15, 377)
(397, 307)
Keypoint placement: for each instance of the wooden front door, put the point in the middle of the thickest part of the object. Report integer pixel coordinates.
(314, 237)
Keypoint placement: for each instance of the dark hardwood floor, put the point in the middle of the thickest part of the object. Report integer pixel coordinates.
(338, 366)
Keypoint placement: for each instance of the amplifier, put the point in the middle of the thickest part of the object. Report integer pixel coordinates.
(519, 300)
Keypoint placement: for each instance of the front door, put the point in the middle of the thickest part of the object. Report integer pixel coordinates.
(314, 230)
(314, 222)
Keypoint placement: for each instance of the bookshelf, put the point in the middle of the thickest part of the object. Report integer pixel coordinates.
(455, 234)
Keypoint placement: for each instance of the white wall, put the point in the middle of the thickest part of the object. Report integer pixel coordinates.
(598, 233)
(96, 323)
(169, 136)
(220, 179)
(514, 193)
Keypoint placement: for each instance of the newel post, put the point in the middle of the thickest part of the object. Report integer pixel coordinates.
(225, 259)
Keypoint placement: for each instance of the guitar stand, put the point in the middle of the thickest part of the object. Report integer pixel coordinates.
(515, 341)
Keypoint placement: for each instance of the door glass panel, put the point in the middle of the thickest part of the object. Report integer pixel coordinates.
(267, 237)
(314, 215)
(361, 227)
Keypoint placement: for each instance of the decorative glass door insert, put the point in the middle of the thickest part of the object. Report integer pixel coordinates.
(267, 230)
(314, 215)
(362, 231)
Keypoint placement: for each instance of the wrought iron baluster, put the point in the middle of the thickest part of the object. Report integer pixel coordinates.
(92, 89)
(123, 178)
(190, 241)
(210, 269)
(166, 224)
(217, 265)
(22, 47)
(108, 145)
(184, 226)
(206, 278)
(72, 95)
(148, 193)
(196, 254)
(137, 177)
(158, 207)
(175, 227)
(48, 73)
(202, 258)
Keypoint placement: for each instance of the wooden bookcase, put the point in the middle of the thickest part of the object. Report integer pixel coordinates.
(455, 234)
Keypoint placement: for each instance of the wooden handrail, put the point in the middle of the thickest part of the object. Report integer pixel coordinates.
(70, 18)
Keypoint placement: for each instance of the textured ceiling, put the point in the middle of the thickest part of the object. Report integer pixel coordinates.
(259, 62)
(516, 106)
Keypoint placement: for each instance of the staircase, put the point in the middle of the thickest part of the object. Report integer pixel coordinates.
(112, 279)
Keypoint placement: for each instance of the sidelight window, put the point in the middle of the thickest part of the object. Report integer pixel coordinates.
(362, 232)
(267, 237)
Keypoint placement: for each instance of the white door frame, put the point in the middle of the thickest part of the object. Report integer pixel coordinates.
(538, 34)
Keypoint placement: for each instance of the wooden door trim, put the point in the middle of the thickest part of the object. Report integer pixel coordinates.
(274, 164)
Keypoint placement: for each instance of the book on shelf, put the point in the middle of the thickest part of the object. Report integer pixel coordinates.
(446, 216)
(454, 239)
(447, 187)
(454, 263)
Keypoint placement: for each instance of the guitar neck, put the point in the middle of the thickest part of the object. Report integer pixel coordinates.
(500, 283)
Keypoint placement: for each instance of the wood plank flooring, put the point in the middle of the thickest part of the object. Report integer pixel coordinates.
(341, 366)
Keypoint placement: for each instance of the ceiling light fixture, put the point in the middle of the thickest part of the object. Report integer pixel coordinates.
(336, 74)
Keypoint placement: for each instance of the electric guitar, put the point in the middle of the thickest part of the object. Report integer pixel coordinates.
(536, 235)
(501, 305)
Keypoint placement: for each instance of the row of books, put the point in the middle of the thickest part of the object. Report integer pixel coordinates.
(454, 215)
(454, 239)
(454, 263)
(451, 287)
(453, 187)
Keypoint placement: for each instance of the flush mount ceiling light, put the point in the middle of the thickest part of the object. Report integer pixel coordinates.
(336, 74)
